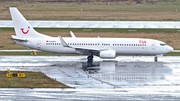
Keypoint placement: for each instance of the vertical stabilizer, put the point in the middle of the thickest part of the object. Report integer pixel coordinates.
(22, 28)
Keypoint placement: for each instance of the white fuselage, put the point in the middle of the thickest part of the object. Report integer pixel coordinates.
(105, 48)
(122, 46)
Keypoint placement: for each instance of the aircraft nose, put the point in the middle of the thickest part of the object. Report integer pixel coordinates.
(170, 49)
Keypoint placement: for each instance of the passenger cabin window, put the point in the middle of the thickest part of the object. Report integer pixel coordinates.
(128, 45)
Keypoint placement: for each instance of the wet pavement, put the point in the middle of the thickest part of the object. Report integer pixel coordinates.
(124, 78)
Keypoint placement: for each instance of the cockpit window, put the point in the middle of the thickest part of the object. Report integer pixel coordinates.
(163, 44)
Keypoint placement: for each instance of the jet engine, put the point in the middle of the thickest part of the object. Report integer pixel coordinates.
(108, 54)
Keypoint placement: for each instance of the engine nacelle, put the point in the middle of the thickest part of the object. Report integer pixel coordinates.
(108, 54)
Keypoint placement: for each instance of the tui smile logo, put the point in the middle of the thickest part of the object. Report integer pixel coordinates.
(26, 31)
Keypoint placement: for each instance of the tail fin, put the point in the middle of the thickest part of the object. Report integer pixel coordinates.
(22, 28)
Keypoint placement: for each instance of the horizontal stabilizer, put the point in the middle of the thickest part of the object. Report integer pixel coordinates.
(16, 39)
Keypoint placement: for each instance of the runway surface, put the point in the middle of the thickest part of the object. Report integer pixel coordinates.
(124, 78)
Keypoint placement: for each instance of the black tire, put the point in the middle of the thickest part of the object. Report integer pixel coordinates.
(155, 58)
(90, 58)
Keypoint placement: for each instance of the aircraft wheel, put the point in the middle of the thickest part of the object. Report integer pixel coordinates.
(90, 58)
(155, 59)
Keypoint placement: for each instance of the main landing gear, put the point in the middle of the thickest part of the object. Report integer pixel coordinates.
(90, 58)
(155, 59)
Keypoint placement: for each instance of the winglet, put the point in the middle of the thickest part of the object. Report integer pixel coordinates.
(63, 42)
(72, 34)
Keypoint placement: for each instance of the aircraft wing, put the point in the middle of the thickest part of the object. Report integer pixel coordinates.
(87, 50)
(81, 50)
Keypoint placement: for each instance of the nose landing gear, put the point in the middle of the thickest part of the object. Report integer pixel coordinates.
(155, 59)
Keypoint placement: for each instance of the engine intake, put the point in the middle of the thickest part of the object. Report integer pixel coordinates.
(108, 54)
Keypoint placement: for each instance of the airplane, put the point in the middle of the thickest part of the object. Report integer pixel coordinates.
(105, 48)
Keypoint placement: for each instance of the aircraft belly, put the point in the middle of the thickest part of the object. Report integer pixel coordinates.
(132, 51)
(156, 52)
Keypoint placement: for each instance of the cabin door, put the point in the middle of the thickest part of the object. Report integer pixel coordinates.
(38, 44)
(153, 46)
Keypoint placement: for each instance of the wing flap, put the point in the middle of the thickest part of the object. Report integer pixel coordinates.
(87, 50)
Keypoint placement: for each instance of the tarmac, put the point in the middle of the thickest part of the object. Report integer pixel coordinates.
(124, 78)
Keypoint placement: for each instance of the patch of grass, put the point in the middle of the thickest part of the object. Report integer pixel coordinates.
(172, 54)
(4, 10)
(128, 10)
(31, 80)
